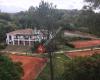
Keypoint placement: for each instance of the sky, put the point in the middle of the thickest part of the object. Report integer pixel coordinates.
(13, 6)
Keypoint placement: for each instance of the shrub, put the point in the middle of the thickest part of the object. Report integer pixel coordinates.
(70, 45)
(9, 70)
(3, 46)
(34, 47)
(82, 69)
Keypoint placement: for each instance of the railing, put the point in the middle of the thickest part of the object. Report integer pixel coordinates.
(26, 39)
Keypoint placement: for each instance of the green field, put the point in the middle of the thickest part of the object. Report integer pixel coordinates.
(58, 67)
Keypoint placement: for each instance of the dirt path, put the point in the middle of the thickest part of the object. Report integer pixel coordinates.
(32, 66)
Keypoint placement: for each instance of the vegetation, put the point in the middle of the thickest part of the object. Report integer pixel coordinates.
(90, 20)
(94, 4)
(6, 25)
(47, 16)
(82, 68)
(2, 46)
(9, 70)
(44, 16)
(58, 67)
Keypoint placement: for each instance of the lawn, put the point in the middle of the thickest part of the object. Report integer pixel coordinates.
(65, 47)
(58, 67)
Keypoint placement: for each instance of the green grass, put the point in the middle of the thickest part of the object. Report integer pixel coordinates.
(58, 67)
(67, 48)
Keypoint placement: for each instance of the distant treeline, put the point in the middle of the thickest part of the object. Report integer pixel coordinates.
(47, 16)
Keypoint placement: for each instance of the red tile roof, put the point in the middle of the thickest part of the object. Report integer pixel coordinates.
(87, 43)
(31, 65)
(21, 31)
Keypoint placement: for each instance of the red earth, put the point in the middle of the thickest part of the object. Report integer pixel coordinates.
(87, 43)
(82, 53)
(31, 65)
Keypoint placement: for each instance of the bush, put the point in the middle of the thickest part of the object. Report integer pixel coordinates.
(3, 46)
(70, 45)
(34, 47)
(9, 70)
(82, 69)
(76, 38)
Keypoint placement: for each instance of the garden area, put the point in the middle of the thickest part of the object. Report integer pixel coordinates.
(82, 68)
(58, 67)
(79, 68)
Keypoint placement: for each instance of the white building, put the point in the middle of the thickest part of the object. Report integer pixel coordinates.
(25, 36)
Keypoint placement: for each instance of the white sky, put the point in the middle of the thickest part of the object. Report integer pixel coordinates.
(18, 5)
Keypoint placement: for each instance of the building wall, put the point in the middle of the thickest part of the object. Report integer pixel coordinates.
(23, 39)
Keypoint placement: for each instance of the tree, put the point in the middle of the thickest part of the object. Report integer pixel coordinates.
(6, 25)
(89, 20)
(44, 16)
(95, 4)
(45, 8)
(9, 70)
(69, 19)
(47, 15)
(82, 69)
(5, 16)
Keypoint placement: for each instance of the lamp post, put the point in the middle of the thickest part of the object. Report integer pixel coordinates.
(50, 49)
(51, 66)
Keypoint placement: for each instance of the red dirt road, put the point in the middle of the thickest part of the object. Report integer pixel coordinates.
(82, 53)
(31, 65)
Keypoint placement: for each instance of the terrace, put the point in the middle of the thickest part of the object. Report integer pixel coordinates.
(85, 44)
